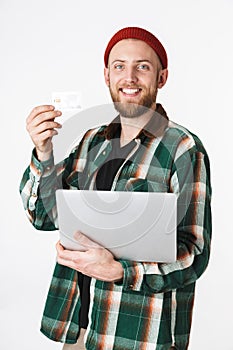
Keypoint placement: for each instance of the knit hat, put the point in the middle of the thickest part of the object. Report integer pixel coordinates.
(140, 34)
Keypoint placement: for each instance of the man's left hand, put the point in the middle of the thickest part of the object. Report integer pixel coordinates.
(95, 261)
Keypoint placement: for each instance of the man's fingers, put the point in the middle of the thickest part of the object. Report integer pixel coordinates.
(66, 254)
(38, 110)
(69, 258)
(47, 125)
(42, 118)
(59, 247)
(67, 263)
(47, 116)
(41, 127)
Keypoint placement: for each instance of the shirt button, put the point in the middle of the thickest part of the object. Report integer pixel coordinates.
(48, 167)
(33, 194)
(131, 286)
(104, 152)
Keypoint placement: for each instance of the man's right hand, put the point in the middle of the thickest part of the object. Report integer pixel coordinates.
(41, 127)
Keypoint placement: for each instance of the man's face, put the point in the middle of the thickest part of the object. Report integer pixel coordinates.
(132, 76)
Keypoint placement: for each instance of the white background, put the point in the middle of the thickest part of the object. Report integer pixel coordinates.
(58, 46)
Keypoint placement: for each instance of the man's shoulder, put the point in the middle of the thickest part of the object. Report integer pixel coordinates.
(178, 129)
(89, 139)
(184, 137)
(96, 129)
(95, 132)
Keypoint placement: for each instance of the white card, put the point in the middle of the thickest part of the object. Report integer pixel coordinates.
(66, 100)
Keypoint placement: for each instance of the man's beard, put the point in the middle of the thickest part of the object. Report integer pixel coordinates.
(133, 110)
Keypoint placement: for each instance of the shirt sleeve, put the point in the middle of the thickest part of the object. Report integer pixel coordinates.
(37, 190)
(190, 180)
(41, 180)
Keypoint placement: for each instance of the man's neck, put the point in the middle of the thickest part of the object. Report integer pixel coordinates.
(130, 127)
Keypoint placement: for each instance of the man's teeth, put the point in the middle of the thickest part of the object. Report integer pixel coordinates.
(130, 91)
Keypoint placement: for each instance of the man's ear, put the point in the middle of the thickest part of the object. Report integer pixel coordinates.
(106, 76)
(162, 78)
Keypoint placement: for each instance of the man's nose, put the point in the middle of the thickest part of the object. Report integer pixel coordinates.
(131, 75)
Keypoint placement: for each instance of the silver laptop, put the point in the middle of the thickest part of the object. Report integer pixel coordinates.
(138, 226)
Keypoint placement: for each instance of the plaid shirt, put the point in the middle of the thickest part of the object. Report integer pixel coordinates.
(151, 308)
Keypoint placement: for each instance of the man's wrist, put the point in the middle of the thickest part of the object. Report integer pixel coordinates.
(43, 156)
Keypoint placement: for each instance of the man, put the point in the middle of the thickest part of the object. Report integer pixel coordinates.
(131, 305)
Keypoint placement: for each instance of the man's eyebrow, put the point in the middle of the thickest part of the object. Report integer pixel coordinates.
(144, 60)
(118, 60)
(136, 61)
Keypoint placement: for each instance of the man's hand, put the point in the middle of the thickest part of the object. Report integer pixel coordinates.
(41, 126)
(95, 261)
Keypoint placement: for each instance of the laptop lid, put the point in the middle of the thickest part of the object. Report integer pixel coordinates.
(139, 226)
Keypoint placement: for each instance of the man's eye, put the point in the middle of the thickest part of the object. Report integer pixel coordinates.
(118, 66)
(143, 67)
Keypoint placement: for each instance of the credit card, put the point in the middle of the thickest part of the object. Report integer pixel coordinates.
(66, 100)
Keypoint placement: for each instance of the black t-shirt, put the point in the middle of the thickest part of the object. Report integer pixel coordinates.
(116, 158)
(104, 180)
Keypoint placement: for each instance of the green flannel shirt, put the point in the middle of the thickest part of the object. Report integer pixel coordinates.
(151, 308)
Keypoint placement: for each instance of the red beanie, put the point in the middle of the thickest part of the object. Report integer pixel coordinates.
(140, 34)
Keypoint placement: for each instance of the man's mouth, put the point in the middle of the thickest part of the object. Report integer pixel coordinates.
(130, 91)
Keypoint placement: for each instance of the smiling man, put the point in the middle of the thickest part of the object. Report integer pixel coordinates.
(96, 301)
(134, 73)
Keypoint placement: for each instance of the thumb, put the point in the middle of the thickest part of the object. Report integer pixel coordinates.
(85, 241)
